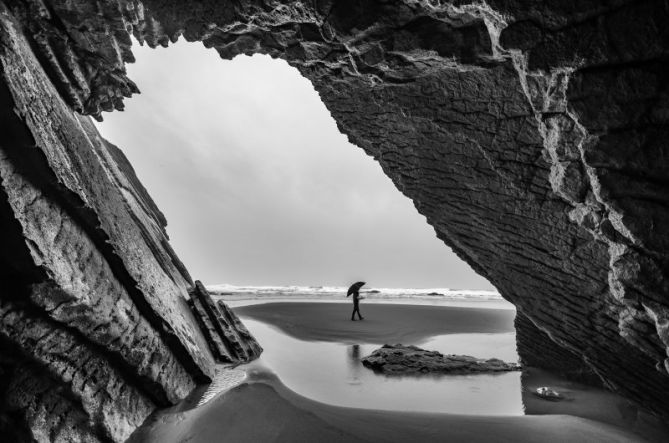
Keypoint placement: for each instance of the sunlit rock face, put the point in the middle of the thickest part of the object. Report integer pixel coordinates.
(531, 135)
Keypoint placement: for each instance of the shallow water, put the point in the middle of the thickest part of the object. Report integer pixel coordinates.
(332, 373)
(502, 346)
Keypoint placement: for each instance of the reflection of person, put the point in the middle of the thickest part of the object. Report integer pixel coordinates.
(355, 353)
(356, 305)
(354, 364)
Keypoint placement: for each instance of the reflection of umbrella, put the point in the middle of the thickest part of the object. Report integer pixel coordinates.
(355, 287)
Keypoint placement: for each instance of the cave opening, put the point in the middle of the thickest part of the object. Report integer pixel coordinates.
(258, 185)
(474, 160)
(260, 188)
(276, 179)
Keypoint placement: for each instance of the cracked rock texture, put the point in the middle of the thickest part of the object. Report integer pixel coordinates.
(95, 328)
(228, 338)
(531, 135)
(406, 360)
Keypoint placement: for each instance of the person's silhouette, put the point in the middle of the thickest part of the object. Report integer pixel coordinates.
(356, 306)
(355, 291)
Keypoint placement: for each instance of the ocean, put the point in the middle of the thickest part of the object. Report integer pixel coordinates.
(233, 293)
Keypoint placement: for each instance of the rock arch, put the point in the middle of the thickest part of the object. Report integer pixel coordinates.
(532, 137)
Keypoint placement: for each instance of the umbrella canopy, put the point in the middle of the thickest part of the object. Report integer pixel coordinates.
(355, 287)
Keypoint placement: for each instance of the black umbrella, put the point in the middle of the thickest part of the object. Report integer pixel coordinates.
(355, 287)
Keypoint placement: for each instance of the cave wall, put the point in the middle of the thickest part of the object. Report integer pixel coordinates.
(531, 135)
(95, 327)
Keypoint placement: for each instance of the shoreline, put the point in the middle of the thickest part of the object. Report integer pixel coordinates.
(384, 322)
(497, 304)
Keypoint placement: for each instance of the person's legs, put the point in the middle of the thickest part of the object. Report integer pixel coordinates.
(357, 309)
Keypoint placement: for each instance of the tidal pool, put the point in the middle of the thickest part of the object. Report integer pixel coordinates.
(332, 373)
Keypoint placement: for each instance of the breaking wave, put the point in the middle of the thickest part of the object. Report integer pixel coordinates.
(232, 292)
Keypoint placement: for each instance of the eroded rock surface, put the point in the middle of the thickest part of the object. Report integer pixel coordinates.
(95, 329)
(531, 135)
(228, 338)
(405, 360)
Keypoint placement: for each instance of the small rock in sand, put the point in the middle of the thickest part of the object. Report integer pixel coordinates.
(548, 394)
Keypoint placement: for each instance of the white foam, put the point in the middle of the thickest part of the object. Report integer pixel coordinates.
(332, 292)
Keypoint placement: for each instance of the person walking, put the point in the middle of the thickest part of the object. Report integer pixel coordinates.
(355, 291)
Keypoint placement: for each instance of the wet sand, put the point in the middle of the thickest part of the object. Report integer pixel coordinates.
(265, 411)
(589, 402)
(383, 323)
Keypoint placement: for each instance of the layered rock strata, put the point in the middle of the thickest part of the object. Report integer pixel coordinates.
(536, 349)
(412, 360)
(531, 135)
(95, 329)
(229, 340)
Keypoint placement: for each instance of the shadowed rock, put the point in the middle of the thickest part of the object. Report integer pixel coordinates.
(531, 135)
(400, 360)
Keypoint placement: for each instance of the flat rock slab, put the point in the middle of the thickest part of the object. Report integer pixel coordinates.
(399, 360)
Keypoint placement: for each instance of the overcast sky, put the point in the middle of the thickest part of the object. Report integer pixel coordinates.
(258, 185)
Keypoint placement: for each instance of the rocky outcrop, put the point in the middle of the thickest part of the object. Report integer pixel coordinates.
(410, 360)
(531, 135)
(95, 329)
(228, 338)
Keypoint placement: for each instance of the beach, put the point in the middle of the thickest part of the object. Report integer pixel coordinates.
(309, 386)
(265, 411)
(383, 323)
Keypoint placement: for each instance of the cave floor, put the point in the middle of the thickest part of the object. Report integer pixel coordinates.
(309, 385)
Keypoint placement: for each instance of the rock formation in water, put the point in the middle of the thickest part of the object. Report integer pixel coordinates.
(407, 360)
(531, 135)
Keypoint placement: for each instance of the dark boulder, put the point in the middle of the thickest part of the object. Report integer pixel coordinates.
(402, 360)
